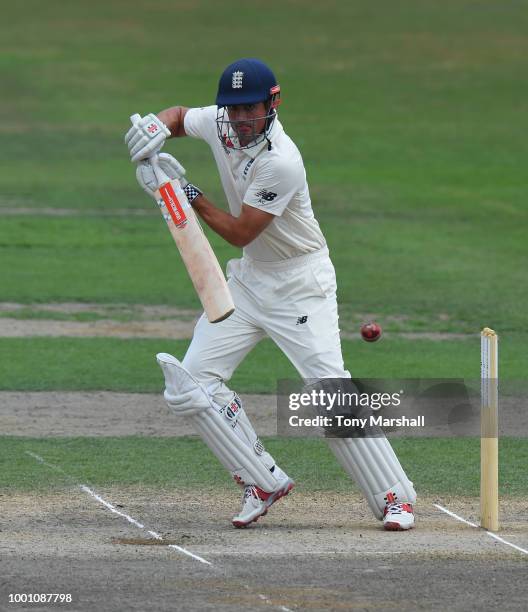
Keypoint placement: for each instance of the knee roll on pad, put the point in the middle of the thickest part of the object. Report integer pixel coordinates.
(225, 429)
(183, 395)
(373, 465)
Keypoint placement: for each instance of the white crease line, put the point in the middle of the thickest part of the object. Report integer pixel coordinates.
(269, 602)
(261, 596)
(110, 507)
(188, 552)
(41, 460)
(458, 518)
(115, 510)
(490, 533)
(176, 547)
(496, 537)
(154, 534)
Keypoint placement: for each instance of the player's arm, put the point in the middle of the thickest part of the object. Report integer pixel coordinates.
(173, 118)
(275, 183)
(238, 231)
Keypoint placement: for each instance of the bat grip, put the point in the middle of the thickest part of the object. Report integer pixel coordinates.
(161, 177)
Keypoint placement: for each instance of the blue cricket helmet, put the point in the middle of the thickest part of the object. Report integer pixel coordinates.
(246, 81)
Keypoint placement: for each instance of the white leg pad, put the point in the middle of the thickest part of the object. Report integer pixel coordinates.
(373, 465)
(226, 430)
(184, 396)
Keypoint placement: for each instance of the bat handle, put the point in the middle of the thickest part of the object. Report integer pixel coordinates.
(161, 177)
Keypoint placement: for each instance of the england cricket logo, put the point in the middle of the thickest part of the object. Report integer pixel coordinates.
(236, 81)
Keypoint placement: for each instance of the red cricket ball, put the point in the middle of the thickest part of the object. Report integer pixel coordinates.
(370, 332)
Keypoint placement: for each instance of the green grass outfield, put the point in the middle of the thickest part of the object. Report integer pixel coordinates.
(412, 121)
(439, 273)
(437, 466)
(43, 364)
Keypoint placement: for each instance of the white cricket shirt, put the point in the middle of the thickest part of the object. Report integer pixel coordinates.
(271, 180)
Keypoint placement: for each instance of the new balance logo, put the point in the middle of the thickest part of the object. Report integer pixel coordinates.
(265, 196)
(302, 320)
(236, 79)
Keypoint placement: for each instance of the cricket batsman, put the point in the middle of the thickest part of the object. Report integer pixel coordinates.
(283, 287)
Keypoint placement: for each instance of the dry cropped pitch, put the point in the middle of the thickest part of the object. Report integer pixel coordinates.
(137, 548)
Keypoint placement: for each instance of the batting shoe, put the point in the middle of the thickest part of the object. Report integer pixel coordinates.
(255, 502)
(398, 517)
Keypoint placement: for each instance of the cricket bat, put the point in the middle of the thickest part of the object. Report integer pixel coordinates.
(195, 250)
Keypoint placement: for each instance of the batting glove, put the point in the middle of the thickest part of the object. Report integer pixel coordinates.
(146, 137)
(170, 166)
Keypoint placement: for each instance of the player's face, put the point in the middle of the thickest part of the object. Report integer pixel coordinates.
(248, 120)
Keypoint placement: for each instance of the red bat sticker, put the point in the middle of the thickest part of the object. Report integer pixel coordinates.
(172, 204)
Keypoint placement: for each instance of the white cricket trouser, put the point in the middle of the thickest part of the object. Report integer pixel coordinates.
(292, 301)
